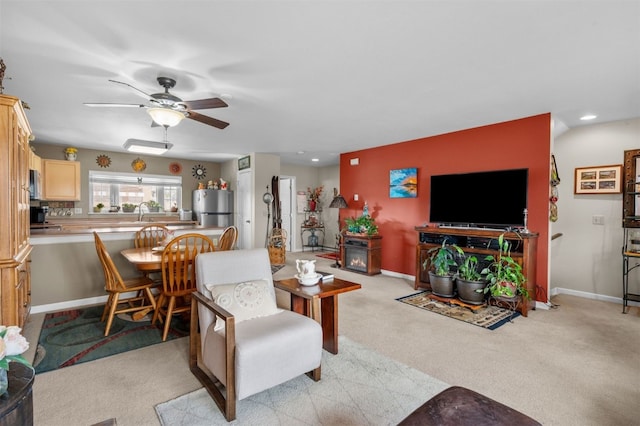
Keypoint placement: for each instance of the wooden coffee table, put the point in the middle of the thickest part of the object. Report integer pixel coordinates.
(319, 302)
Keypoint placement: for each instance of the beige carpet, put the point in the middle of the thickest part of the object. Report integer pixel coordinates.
(358, 386)
(574, 365)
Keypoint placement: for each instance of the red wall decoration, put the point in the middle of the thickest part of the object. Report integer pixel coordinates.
(523, 143)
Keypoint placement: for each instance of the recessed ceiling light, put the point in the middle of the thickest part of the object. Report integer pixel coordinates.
(300, 152)
(588, 117)
(315, 159)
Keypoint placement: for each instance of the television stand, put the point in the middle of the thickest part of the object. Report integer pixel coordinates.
(481, 243)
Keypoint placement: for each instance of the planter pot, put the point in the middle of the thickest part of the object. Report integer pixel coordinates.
(97, 209)
(154, 209)
(468, 291)
(513, 291)
(442, 285)
(128, 209)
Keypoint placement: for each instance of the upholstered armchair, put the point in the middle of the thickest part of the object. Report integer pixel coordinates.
(239, 338)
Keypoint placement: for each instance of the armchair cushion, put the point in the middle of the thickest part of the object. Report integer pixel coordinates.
(245, 301)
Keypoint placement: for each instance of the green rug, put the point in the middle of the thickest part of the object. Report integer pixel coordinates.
(489, 317)
(77, 335)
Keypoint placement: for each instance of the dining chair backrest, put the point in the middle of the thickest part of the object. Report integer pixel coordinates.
(112, 278)
(228, 239)
(178, 262)
(151, 236)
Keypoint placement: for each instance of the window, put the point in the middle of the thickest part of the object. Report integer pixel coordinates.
(115, 189)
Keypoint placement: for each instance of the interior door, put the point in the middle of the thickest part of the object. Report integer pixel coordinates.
(245, 209)
(287, 191)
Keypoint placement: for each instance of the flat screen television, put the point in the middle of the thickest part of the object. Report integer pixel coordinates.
(487, 199)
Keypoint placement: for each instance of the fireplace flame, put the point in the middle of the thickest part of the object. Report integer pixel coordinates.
(357, 262)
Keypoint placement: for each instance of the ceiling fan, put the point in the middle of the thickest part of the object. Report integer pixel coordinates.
(168, 110)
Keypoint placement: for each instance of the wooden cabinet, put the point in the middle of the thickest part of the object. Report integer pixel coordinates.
(480, 242)
(35, 162)
(15, 249)
(61, 180)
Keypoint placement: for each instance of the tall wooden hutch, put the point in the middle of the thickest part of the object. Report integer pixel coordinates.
(15, 248)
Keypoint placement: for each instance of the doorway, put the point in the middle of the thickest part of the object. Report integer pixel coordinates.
(287, 188)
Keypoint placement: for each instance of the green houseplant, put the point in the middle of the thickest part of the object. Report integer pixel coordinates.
(469, 281)
(504, 274)
(128, 207)
(98, 208)
(154, 206)
(364, 224)
(441, 265)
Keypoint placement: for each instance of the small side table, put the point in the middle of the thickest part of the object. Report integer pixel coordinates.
(16, 406)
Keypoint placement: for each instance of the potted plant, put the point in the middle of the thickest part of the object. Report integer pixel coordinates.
(362, 225)
(128, 207)
(98, 208)
(470, 283)
(154, 206)
(504, 275)
(441, 264)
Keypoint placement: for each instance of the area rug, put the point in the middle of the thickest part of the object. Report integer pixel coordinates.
(332, 256)
(77, 335)
(358, 387)
(276, 268)
(489, 317)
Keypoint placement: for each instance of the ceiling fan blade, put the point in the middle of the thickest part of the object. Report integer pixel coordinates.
(146, 95)
(207, 120)
(206, 103)
(114, 105)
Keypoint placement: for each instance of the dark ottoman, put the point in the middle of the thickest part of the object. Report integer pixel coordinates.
(459, 406)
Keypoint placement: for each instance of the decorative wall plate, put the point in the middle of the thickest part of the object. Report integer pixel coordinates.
(199, 172)
(103, 160)
(138, 165)
(175, 168)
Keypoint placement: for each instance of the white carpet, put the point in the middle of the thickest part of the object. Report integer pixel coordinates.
(358, 387)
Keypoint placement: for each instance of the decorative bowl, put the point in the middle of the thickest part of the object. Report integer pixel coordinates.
(310, 280)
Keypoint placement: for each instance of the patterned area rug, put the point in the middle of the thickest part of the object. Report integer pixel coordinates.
(276, 268)
(77, 335)
(489, 317)
(358, 387)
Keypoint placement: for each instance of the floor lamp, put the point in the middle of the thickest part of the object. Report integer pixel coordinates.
(338, 202)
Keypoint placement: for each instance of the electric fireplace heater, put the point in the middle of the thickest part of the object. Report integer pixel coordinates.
(362, 254)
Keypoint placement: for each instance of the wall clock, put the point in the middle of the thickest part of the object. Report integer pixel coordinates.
(175, 168)
(199, 172)
(103, 160)
(138, 165)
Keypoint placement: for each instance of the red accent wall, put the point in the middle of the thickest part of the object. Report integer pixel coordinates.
(523, 143)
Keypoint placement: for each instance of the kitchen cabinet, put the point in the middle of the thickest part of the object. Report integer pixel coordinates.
(35, 162)
(61, 180)
(15, 247)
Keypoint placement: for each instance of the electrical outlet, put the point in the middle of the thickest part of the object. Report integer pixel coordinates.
(355, 197)
(77, 210)
(597, 219)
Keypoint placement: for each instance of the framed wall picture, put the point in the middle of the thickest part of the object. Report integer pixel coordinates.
(244, 162)
(598, 180)
(403, 183)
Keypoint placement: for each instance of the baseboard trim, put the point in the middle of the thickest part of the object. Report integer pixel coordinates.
(587, 295)
(69, 304)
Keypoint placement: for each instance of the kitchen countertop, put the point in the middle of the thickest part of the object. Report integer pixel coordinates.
(67, 232)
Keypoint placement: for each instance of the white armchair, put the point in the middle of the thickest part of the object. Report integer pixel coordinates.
(239, 338)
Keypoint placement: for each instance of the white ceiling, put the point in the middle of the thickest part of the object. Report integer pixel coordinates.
(323, 77)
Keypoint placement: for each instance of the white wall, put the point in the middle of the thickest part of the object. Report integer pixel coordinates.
(586, 259)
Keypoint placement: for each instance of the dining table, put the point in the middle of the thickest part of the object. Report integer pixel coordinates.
(146, 260)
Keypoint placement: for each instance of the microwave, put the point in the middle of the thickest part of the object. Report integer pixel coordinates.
(34, 185)
(39, 214)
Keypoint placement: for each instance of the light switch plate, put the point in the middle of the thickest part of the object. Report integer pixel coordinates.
(597, 219)
(77, 210)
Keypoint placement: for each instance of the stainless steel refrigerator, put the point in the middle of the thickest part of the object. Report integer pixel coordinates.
(213, 207)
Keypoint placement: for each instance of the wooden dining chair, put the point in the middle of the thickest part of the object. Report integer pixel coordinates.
(179, 276)
(151, 236)
(228, 239)
(116, 287)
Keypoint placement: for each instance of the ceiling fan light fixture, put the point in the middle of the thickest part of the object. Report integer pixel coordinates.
(147, 147)
(166, 116)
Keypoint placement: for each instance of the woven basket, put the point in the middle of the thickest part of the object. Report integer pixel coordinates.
(277, 246)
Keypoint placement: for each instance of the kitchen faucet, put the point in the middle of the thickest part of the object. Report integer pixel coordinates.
(140, 214)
